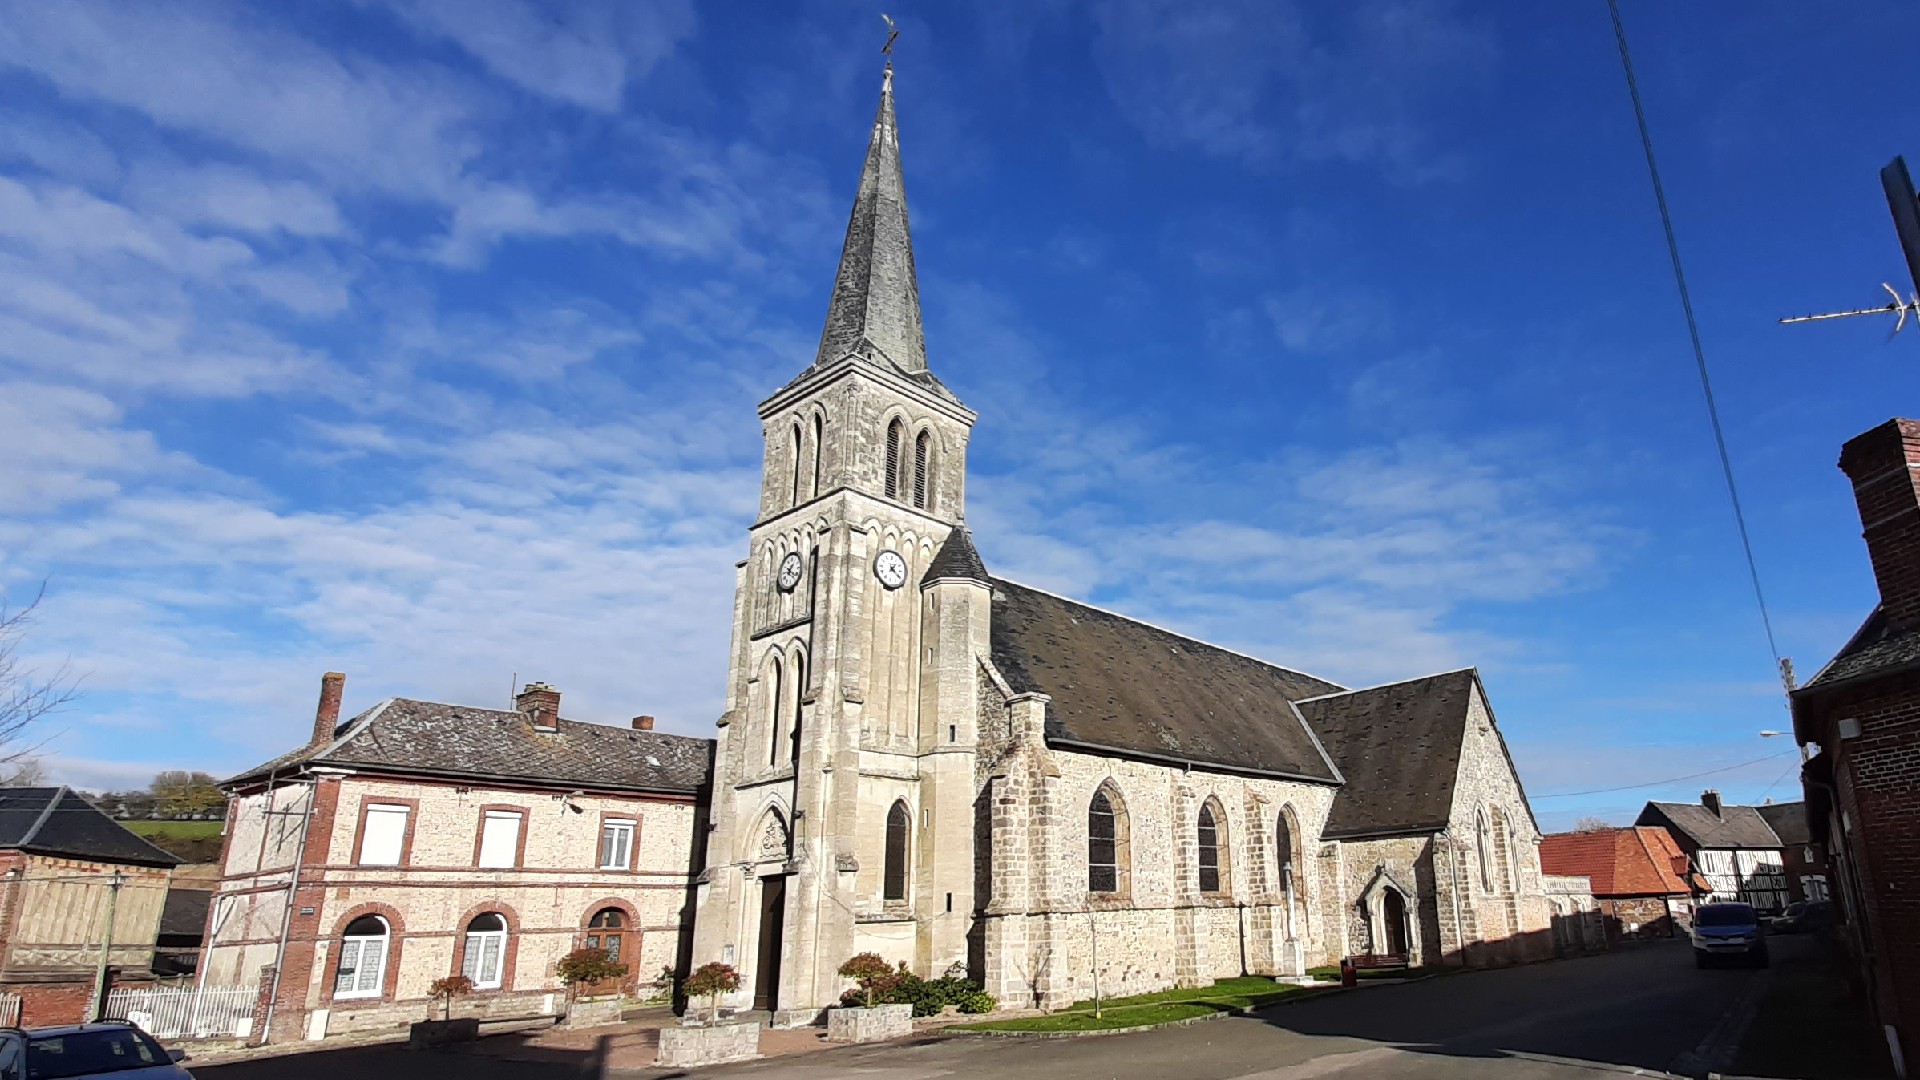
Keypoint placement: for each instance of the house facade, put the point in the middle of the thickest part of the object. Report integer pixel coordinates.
(1637, 876)
(1803, 862)
(70, 876)
(420, 840)
(923, 760)
(1862, 712)
(1732, 849)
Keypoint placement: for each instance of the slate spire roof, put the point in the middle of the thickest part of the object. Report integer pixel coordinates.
(875, 310)
(957, 558)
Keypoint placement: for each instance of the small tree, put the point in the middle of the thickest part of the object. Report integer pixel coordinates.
(1591, 824)
(710, 981)
(445, 990)
(866, 969)
(587, 966)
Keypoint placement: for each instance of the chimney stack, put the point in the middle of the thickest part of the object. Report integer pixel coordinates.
(1881, 464)
(643, 723)
(1711, 800)
(327, 716)
(541, 703)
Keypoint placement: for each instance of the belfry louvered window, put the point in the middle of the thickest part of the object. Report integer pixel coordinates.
(895, 435)
(1103, 854)
(1209, 852)
(797, 448)
(819, 447)
(920, 472)
(899, 824)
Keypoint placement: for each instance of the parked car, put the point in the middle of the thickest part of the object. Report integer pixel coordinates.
(113, 1048)
(1730, 931)
(1804, 917)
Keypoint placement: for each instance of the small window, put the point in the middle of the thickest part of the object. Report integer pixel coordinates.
(499, 839)
(1103, 862)
(363, 958)
(1209, 851)
(895, 435)
(383, 835)
(899, 825)
(616, 845)
(484, 959)
(920, 498)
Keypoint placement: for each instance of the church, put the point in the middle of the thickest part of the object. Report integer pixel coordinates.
(925, 761)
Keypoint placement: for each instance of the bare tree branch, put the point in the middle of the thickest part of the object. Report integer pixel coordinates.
(26, 698)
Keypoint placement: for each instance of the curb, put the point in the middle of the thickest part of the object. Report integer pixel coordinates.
(1238, 1010)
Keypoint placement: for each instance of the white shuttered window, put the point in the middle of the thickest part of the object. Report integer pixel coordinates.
(500, 839)
(383, 835)
(616, 845)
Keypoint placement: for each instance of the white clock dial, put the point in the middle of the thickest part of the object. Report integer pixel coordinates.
(891, 569)
(790, 571)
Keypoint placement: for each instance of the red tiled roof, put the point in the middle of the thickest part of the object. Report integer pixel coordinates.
(1636, 861)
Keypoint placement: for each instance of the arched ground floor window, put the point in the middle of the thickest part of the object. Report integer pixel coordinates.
(362, 968)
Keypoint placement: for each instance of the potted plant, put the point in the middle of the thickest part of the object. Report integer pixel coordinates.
(431, 1032)
(445, 990)
(582, 968)
(710, 981)
(861, 1016)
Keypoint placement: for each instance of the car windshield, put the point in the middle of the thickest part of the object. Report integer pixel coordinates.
(86, 1053)
(1724, 915)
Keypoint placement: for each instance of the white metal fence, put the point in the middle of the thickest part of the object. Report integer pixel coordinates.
(186, 1012)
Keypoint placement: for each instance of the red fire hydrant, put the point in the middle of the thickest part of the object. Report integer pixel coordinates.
(1349, 975)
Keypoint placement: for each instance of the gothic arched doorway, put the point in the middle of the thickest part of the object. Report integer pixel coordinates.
(1392, 939)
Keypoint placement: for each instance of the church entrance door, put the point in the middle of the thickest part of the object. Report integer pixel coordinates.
(1393, 913)
(773, 909)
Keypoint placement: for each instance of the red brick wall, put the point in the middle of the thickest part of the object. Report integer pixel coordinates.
(303, 930)
(1879, 464)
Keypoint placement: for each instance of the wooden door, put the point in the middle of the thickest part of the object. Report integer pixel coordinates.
(773, 910)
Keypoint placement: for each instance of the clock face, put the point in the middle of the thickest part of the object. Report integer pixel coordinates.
(790, 571)
(891, 569)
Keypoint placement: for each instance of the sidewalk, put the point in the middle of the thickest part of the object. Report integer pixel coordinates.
(1805, 1027)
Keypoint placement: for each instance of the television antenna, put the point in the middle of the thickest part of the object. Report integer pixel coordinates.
(1905, 205)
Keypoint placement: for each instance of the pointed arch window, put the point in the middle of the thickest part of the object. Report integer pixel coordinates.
(775, 713)
(797, 450)
(799, 692)
(920, 452)
(896, 435)
(1283, 854)
(1483, 844)
(1209, 842)
(899, 828)
(819, 447)
(1107, 855)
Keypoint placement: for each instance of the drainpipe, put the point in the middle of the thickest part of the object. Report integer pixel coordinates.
(286, 917)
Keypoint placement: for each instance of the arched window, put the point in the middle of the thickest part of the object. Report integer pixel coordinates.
(485, 956)
(799, 691)
(1209, 837)
(1483, 844)
(819, 448)
(1103, 847)
(796, 464)
(899, 825)
(1283, 855)
(895, 436)
(775, 713)
(607, 931)
(920, 498)
(363, 958)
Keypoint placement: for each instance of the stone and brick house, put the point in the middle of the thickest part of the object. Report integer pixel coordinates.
(1862, 711)
(1732, 849)
(1804, 862)
(920, 759)
(1638, 876)
(420, 840)
(59, 861)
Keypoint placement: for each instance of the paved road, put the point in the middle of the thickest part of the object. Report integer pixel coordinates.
(1586, 1018)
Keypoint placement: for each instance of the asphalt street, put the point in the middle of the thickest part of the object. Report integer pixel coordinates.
(1639, 1010)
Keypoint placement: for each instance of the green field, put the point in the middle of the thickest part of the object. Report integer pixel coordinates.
(1142, 1009)
(179, 830)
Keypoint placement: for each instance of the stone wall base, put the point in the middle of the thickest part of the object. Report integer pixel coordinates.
(877, 1024)
(798, 1018)
(583, 1014)
(681, 1047)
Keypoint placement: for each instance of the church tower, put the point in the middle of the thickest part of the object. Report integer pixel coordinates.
(843, 783)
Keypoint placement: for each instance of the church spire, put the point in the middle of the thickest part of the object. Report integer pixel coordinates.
(875, 309)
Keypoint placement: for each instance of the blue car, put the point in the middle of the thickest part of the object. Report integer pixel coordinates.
(1728, 932)
(110, 1048)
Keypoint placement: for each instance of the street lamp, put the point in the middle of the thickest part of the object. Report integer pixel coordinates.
(1803, 747)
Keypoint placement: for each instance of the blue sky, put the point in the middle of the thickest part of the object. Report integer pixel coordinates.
(420, 339)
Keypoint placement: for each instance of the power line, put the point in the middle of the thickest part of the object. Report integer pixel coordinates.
(1668, 780)
(1693, 329)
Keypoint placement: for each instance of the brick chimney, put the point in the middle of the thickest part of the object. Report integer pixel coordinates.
(643, 723)
(1881, 464)
(327, 716)
(541, 703)
(1711, 800)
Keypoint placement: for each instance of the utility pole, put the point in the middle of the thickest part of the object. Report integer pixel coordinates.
(99, 1008)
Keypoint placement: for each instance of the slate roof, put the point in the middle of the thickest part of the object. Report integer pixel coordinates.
(1398, 746)
(1871, 651)
(1122, 685)
(957, 558)
(401, 735)
(56, 821)
(1733, 827)
(1637, 861)
(1788, 820)
(185, 913)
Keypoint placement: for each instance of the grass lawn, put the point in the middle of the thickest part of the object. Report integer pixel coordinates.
(1331, 973)
(184, 830)
(1143, 1009)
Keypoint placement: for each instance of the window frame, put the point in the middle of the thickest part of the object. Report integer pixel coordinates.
(379, 988)
(474, 951)
(610, 821)
(1212, 818)
(502, 810)
(922, 469)
(896, 865)
(1100, 798)
(896, 437)
(376, 804)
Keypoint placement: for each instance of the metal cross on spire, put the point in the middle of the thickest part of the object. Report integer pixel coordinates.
(893, 34)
